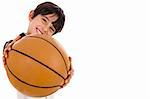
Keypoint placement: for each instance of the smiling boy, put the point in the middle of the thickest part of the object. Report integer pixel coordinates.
(47, 19)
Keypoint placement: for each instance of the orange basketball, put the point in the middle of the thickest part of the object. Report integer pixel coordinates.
(37, 65)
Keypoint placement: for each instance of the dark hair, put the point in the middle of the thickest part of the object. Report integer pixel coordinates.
(50, 8)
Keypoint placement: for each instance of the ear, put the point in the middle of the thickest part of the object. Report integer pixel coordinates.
(31, 15)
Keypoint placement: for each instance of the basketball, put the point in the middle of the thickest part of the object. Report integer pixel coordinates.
(37, 65)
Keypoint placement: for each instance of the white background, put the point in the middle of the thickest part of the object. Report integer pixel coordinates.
(108, 40)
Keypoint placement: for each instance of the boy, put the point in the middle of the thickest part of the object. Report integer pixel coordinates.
(47, 19)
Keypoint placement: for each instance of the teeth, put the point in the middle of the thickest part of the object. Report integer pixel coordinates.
(39, 32)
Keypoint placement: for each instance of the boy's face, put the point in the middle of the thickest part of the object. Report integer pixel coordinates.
(41, 24)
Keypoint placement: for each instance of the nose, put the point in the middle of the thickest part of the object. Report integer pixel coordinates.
(45, 29)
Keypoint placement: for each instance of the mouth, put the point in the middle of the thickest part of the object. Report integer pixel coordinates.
(38, 31)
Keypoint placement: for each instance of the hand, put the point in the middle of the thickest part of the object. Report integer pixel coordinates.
(70, 73)
(9, 47)
(6, 50)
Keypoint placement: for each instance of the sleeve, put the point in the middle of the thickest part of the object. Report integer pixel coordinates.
(22, 35)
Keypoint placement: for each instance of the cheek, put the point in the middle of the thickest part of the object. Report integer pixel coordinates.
(31, 28)
(34, 24)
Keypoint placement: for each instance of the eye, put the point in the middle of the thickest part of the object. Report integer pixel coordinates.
(44, 20)
(52, 29)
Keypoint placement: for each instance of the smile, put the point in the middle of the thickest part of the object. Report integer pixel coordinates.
(38, 31)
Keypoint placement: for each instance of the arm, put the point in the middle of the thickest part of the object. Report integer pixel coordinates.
(13, 41)
(8, 46)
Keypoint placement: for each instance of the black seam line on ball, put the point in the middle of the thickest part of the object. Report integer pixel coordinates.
(28, 83)
(39, 62)
(56, 48)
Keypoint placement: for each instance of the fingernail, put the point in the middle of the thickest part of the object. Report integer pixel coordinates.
(9, 49)
(5, 56)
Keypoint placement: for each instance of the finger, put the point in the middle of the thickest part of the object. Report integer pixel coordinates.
(11, 44)
(71, 72)
(9, 48)
(6, 53)
(4, 60)
(70, 59)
